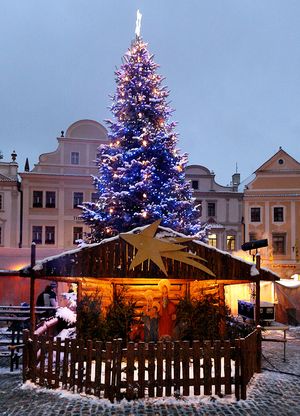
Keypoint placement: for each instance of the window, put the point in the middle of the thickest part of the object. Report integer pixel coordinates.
(37, 199)
(1, 202)
(198, 205)
(252, 237)
(78, 199)
(195, 184)
(278, 243)
(278, 214)
(49, 235)
(212, 240)
(0, 235)
(75, 158)
(255, 214)
(211, 209)
(50, 199)
(230, 242)
(37, 231)
(94, 197)
(77, 234)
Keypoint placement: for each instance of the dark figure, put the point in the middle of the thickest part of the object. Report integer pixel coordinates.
(47, 297)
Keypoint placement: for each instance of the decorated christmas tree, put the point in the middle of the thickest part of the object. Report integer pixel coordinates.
(141, 173)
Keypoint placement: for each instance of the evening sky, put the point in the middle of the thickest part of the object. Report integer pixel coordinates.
(232, 66)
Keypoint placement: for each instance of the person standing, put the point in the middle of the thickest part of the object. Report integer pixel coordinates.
(47, 297)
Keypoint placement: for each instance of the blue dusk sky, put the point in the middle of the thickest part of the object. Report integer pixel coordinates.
(232, 66)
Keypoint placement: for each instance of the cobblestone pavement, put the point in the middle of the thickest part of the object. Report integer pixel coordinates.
(270, 393)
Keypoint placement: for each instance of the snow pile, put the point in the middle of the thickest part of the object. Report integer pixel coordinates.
(69, 333)
(254, 271)
(142, 403)
(66, 314)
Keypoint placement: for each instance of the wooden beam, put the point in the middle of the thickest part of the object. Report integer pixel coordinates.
(222, 310)
(32, 289)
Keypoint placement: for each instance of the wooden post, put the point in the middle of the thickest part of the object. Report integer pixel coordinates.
(257, 295)
(222, 310)
(188, 291)
(26, 360)
(257, 316)
(32, 289)
(259, 350)
(79, 292)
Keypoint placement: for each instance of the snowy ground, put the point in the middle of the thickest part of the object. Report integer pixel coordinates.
(274, 392)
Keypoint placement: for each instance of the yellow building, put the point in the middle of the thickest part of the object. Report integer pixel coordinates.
(272, 211)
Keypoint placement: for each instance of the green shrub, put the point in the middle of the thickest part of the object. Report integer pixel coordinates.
(199, 318)
(91, 323)
(120, 316)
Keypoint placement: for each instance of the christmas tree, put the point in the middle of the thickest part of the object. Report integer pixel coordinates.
(141, 173)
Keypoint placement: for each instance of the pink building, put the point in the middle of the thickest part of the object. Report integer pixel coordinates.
(272, 211)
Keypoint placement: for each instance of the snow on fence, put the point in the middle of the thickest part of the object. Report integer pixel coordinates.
(141, 369)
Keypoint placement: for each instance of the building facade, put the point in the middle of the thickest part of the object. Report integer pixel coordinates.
(272, 211)
(221, 207)
(9, 203)
(57, 184)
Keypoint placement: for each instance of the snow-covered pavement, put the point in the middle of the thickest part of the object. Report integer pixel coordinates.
(270, 393)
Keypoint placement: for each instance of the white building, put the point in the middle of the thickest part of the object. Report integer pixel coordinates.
(57, 184)
(9, 203)
(221, 206)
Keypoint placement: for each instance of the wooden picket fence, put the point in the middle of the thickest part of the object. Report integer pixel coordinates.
(142, 369)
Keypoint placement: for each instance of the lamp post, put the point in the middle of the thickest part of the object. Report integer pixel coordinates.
(248, 247)
(255, 245)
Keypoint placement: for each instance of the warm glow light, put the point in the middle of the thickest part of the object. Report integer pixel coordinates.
(144, 142)
(144, 195)
(243, 255)
(144, 214)
(18, 265)
(295, 276)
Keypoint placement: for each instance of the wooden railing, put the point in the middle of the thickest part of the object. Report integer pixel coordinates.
(143, 369)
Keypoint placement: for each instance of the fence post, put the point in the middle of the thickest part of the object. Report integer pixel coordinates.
(26, 362)
(243, 369)
(237, 375)
(259, 350)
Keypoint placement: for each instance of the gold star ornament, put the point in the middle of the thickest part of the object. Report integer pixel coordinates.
(151, 248)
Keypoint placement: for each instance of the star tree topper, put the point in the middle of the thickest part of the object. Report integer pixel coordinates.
(151, 248)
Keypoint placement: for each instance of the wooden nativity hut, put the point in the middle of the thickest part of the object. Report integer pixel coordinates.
(140, 259)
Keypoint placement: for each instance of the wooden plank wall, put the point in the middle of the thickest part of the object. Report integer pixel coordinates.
(136, 289)
(142, 369)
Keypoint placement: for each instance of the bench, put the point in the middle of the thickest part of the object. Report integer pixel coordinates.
(277, 326)
(12, 339)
